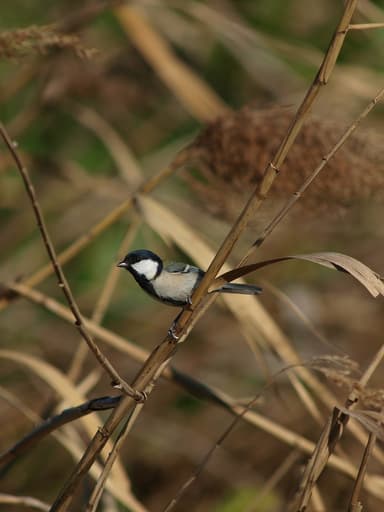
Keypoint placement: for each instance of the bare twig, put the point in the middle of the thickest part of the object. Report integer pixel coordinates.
(187, 484)
(164, 352)
(99, 487)
(71, 251)
(331, 434)
(62, 281)
(104, 298)
(201, 391)
(296, 196)
(354, 504)
(159, 357)
(260, 193)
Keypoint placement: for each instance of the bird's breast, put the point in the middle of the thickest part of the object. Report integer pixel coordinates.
(177, 287)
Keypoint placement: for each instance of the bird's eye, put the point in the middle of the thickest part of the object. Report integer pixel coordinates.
(133, 259)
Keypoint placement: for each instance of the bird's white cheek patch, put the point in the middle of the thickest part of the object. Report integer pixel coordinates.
(147, 268)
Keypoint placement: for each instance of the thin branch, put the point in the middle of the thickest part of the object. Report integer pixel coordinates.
(99, 487)
(207, 457)
(164, 352)
(331, 435)
(354, 504)
(70, 252)
(160, 356)
(260, 193)
(202, 392)
(62, 281)
(297, 195)
(187, 484)
(104, 298)
(190, 384)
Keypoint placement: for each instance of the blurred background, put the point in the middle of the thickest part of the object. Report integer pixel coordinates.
(101, 98)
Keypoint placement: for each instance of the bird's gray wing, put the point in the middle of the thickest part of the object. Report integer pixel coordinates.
(181, 268)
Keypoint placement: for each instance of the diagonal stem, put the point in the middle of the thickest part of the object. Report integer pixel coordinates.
(62, 281)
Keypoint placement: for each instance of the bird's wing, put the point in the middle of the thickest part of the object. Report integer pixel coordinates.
(181, 268)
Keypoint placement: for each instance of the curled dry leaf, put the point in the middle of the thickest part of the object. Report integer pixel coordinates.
(334, 260)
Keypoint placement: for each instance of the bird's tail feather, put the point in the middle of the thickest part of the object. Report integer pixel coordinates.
(244, 289)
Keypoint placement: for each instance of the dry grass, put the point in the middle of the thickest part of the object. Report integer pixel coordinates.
(239, 159)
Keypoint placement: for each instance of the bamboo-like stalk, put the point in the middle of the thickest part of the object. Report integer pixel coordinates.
(100, 484)
(187, 382)
(260, 193)
(165, 350)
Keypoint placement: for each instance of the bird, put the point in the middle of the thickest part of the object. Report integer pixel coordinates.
(172, 284)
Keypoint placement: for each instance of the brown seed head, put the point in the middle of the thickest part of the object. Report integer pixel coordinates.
(235, 150)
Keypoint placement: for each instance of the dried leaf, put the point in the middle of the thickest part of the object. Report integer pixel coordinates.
(334, 260)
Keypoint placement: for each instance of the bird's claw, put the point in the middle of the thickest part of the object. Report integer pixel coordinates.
(172, 332)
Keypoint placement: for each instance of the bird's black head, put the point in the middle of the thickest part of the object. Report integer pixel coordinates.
(143, 264)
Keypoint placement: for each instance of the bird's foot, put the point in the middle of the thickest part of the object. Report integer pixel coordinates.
(172, 331)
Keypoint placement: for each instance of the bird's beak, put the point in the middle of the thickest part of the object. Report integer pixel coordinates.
(122, 264)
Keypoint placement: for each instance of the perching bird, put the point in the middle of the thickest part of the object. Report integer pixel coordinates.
(172, 284)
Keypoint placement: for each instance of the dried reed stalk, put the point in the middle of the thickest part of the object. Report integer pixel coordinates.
(166, 349)
(62, 281)
(234, 150)
(260, 193)
(190, 384)
(99, 487)
(298, 194)
(331, 435)
(354, 504)
(104, 299)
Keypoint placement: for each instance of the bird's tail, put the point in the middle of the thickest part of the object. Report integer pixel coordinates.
(244, 289)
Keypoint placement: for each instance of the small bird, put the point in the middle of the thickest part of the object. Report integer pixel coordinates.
(172, 284)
